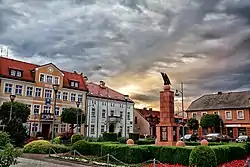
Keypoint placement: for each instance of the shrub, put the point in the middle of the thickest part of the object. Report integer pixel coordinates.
(66, 135)
(75, 138)
(203, 156)
(145, 142)
(4, 139)
(134, 136)
(82, 147)
(43, 147)
(209, 143)
(110, 136)
(9, 156)
(122, 140)
(57, 140)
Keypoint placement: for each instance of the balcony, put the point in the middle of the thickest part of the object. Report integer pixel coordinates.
(46, 117)
(114, 119)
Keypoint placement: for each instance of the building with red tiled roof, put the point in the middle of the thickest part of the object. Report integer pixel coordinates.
(33, 84)
(108, 111)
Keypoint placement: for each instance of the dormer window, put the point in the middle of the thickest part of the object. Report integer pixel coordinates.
(15, 73)
(74, 84)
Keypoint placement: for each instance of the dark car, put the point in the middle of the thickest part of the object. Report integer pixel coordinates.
(190, 137)
(213, 137)
(241, 139)
(225, 138)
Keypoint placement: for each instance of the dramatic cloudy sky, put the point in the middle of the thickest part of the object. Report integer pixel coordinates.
(204, 43)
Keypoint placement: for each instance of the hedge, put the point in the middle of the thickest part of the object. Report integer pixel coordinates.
(209, 143)
(76, 137)
(134, 136)
(145, 142)
(110, 136)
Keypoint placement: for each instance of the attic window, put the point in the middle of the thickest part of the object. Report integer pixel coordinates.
(74, 84)
(15, 73)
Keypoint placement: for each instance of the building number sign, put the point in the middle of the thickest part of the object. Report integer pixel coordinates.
(164, 133)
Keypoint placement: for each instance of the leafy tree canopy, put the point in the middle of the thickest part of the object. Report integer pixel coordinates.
(211, 121)
(69, 115)
(193, 124)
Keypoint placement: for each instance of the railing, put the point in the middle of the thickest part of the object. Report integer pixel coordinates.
(46, 116)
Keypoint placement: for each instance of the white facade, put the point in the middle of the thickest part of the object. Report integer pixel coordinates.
(106, 115)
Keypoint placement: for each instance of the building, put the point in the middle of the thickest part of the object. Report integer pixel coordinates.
(33, 84)
(108, 111)
(145, 121)
(232, 107)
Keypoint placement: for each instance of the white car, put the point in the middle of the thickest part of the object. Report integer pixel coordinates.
(241, 139)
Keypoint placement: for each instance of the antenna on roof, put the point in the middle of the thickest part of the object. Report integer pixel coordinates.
(7, 52)
(1, 51)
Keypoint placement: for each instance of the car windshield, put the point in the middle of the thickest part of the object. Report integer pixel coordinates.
(213, 134)
(242, 137)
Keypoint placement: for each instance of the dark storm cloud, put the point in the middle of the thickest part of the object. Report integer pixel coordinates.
(145, 98)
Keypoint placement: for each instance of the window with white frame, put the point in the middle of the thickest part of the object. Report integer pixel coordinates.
(58, 95)
(16, 73)
(128, 129)
(8, 88)
(73, 97)
(65, 96)
(63, 109)
(49, 79)
(80, 98)
(121, 105)
(104, 103)
(36, 109)
(93, 112)
(240, 114)
(103, 113)
(112, 104)
(56, 81)
(121, 114)
(42, 78)
(228, 114)
(19, 90)
(29, 91)
(92, 129)
(34, 127)
(102, 128)
(128, 115)
(47, 93)
(46, 109)
(56, 128)
(29, 106)
(74, 84)
(112, 112)
(203, 113)
(63, 128)
(38, 92)
(194, 115)
(217, 113)
(57, 111)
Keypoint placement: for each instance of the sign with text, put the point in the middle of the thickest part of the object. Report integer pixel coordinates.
(164, 133)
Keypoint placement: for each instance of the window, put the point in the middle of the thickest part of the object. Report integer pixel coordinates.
(128, 115)
(203, 113)
(104, 103)
(34, 127)
(102, 128)
(80, 98)
(74, 84)
(135, 120)
(128, 129)
(18, 73)
(48, 93)
(41, 79)
(15, 73)
(29, 106)
(19, 90)
(38, 92)
(49, 79)
(112, 113)
(103, 113)
(121, 114)
(65, 96)
(29, 91)
(194, 115)
(92, 129)
(121, 105)
(63, 109)
(57, 112)
(73, 97)
(112, 104)
(8, 88)
(46, 109)
(57, 80)
(228, 115)
(36, 109)
(56, 128)
(63, 128)
(216, 113)
(58, 95)
(240, 114)
(93, 112)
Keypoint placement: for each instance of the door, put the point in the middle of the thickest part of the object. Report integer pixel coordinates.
(111, 128)
(45, 130)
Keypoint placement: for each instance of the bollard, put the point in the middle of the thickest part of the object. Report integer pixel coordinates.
(154, 163)
(108, 160)
(74, 154)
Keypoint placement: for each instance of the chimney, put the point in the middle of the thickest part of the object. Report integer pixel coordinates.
(75, 72)
(150, 109)
(85, 78)
(102, 84)
(81, 74)
(219, 93)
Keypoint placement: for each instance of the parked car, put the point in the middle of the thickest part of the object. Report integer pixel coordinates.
(190, 137)
(243, 138)
(213, 137)
(225, 138)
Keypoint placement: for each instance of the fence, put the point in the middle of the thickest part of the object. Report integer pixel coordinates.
(107, 160)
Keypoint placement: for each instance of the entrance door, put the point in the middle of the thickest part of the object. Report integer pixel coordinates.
(45, 130)
(111, 128)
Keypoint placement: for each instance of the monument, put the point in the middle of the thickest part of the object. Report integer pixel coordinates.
(167, 131)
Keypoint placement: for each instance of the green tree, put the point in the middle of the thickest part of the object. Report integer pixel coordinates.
(69, 115)
(193, 124)
(211, 121)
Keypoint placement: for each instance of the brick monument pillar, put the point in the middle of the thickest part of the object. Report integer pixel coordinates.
(167, 131)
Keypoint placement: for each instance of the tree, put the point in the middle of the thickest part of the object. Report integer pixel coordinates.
(14, 126)
(193, 124)
(69, 115)
(211, 121)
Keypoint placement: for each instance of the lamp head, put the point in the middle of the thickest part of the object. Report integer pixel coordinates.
(177, 93)
(12, 97)
(56, 87)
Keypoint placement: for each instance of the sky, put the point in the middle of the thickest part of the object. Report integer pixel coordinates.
(127, 43)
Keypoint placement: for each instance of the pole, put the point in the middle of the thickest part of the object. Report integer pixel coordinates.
(183, 114)
(77, 131)
(126, 108)
(10, 110)
(53, 124)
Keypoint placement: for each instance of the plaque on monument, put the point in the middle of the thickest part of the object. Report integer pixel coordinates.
(164, 133)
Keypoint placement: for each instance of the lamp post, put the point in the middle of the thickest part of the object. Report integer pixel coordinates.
(12, 98)
(177, 93)
(55, 88)
(126, 110)
(77, 125)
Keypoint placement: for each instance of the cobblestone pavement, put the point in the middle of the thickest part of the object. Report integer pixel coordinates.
(24, 162)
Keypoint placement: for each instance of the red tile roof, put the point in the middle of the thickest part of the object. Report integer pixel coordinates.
(147, 112)
(28, 72)
(105, 92)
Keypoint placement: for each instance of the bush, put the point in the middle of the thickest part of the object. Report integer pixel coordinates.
(145, 142)
(75, 138)
(122, 140)
(4, 139)
(209, 143)
(9, 156)
(66, 135)
(82, 147)
(43, 147)
(134, 136)
(203, 156)
(110, 136)
(57, 140)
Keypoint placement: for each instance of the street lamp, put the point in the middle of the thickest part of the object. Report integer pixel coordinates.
(12, 98)
(177, 93)
(126, 110)
(77, 105)
(55, 88)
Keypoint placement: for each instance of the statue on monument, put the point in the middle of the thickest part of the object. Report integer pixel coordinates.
(165, 78)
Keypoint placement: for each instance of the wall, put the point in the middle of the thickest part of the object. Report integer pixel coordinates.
(142, 125)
